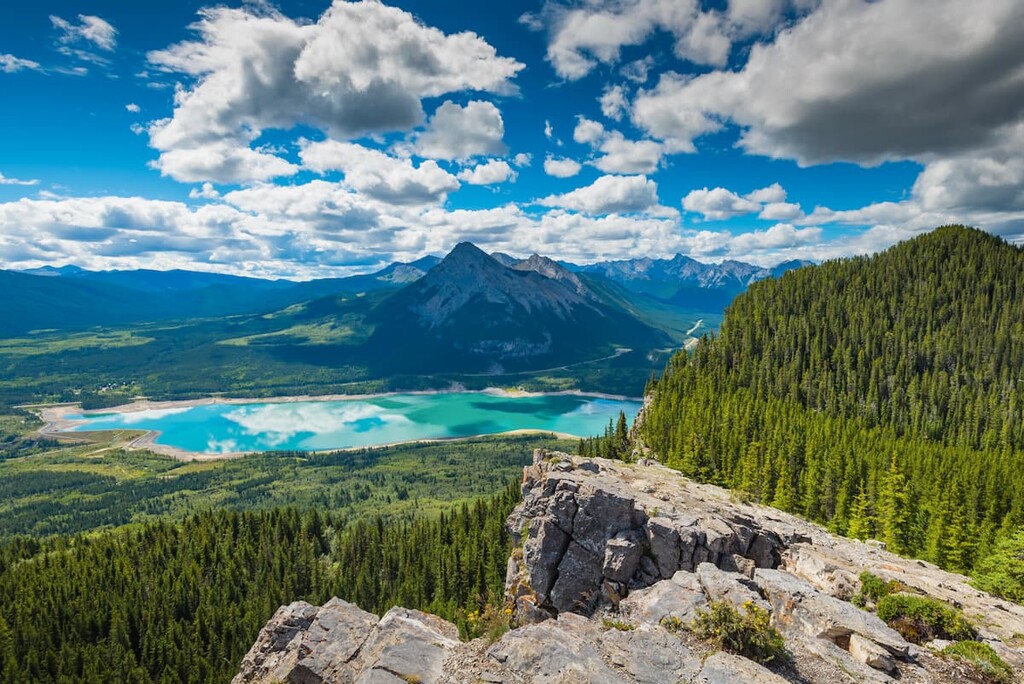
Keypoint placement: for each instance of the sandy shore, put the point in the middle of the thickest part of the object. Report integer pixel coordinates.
(57, 424)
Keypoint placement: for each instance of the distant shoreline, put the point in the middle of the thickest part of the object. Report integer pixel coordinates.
(57, 424)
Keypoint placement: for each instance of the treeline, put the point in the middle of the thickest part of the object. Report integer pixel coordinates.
(881, 396)
(164, 602)
(614, 443)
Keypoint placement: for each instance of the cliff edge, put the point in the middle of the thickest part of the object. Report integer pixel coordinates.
(612, 563)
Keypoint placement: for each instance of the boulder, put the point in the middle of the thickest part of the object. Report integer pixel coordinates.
(719, 585)
(799, 606)
(871, 654)
(679, 598)
(725, 668)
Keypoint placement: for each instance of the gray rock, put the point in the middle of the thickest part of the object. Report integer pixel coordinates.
(871, 654)
(725, 668)
(799, 606)
(679, 598)
(720, 585)
(663, 539)
(555, 651)
(579, 580)
(302, 643)
(622, 556)
(649, 655)
(408, 643)
(543, 549)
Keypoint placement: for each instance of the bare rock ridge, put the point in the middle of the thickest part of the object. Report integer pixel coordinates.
(605, 552)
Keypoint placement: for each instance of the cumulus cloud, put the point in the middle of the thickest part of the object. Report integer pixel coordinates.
(609, 195)
(939, 84)
(10, 64)
(769, 194)
(780, 211)
(489, 173)
(614, 102)
(4, 180)
(89, 29)
(133, 108)
(912, 80)
(588, 132)
(523, 159)
(364, 67)
(379, 175)
(583, 35)
(781, 235)
(456, 132)
(561, 167)
(207, 191)
(617, 153)
(718, 203)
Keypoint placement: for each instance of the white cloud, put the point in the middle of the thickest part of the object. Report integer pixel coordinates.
(561, 168)
(718, 203)
(489, 173)
(913, 79)
(207, 191)
(779, 236)
(90, 29)
(133, 108)
(4, 180)
(364, 67)
(378, 175)
(769, 194)
(614, 102)
(10, 64)
(523, 159)
(222, 161)
(609, 195)
(456, 132)
(638, 70)
(618, 154)
(587, 131)
(781, 211)
(583, 35)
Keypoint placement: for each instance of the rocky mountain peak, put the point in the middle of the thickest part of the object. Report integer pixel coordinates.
(550, 268)
(609, 558)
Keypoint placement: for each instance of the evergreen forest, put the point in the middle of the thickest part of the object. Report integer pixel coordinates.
(881, 396)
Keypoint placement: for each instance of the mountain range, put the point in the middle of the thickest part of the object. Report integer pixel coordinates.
(469, 313)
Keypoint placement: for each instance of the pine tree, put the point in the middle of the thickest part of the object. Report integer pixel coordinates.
(895, 510)
(862, 519)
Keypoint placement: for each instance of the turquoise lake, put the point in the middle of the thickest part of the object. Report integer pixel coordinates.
(319, 425)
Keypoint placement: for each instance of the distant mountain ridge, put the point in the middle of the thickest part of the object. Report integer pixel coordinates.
(70, 297)
(666, 278)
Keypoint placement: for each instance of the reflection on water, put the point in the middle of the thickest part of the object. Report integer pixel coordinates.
(317, 425)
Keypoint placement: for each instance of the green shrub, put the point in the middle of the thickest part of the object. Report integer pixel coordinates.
(920, 619)
(986, 660)
(874, 588)
(748, 634)
(617, 624)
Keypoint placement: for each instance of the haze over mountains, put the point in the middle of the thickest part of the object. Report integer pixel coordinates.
(70, 297)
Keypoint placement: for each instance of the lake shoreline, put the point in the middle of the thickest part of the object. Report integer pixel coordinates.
(57, 424)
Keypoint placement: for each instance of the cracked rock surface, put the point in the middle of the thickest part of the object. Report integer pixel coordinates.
(606, 551)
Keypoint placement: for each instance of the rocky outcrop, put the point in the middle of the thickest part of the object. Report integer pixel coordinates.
(611, 559)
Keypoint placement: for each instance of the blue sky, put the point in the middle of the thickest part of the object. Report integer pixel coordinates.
(310, 138)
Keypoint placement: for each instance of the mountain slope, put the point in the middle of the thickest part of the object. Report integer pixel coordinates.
(70, 298)
(471, 312)
(881, 395)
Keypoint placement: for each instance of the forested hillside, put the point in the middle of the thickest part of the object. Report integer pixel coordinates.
(166, 602)
(881, 395)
